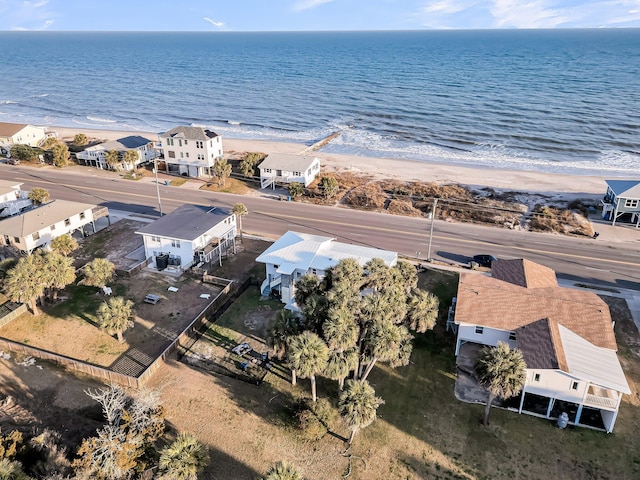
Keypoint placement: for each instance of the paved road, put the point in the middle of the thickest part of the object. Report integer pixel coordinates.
(583, 260)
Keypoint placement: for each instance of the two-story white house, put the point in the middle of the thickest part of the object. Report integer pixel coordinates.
(21, 134)
(95, 155)
(13, 200)
(287, 168)
(190, 234)
(565, 335)
(190, 151)
(296, 254)
(38, 226)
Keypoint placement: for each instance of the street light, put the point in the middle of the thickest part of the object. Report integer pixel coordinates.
(433, 215)
(155, 170)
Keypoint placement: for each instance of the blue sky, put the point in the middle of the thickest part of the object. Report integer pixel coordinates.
(286, 15)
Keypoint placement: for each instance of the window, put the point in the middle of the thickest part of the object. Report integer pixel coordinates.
(36, 236)
(67, 222)
(536, 377)
(574, 385)
(186, 154)
(479, 330)
(512, 336)
(631, 203)
(199, 144)
(53, 227)
(266, 170)
(314, 271)
(181, 154)
(82, 215)
(297, 174)
(179, 142)
(175, 243)
(16, 239)
(201, 156)
(172, 154)
(185, 142)
(155, 239)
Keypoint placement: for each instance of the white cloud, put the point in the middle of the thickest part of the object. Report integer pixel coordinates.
(39, 4)
(214, 23)
(309, 4)
(26, 14)
(532, 14)
(528, 13)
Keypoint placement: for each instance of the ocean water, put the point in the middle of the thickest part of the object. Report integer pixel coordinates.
(548, 100)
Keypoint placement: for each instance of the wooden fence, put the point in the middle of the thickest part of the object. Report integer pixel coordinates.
(184, 341)
(13, 314)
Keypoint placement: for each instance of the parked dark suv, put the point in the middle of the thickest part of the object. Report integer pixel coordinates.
(484, 260)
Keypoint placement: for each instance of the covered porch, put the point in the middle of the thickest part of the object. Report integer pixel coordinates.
(216, 248)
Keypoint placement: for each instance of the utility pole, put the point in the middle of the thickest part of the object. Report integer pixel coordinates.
(155, 170)
(433, 215)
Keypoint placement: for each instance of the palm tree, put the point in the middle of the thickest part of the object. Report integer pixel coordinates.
(408, 273)
(340, 363)
(60, 154)
(221, 170)
(423, 310)
(12, 470)
(130, 157)
(305, 286)
(502, 372)
(307, 357)
(98, 272)
(39, 195)
(64, 244)
(25, 282)
(58, 272)
(388, 343)
(184, 458)
(112, 157)
(340, 330)
(240, 210)
(358, 405)
(378, 274)
(115, 316)
(283, 471)
(80, 139)
(286, 325)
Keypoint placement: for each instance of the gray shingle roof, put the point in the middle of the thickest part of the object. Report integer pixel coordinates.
(41, 217)
(190, 133)
(524, 273)
(187, 222)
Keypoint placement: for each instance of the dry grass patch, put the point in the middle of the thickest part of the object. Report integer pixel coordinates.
(232, 185)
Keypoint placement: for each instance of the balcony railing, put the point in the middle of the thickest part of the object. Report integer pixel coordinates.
(601, 397)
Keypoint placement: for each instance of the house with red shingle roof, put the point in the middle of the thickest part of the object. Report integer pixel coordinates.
(565, 335)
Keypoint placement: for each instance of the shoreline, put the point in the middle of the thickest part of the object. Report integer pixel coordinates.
(562, 187)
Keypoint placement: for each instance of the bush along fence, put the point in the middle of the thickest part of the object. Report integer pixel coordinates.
(182, 342)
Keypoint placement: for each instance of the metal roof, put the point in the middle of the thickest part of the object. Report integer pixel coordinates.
(595, 364)
(307, 251)
(43, 216)
(625, 188)
(7, 186)
(187, 222)
(288, 162)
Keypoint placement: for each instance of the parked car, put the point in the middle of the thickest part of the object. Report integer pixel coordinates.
(13, 161)
(484, 260)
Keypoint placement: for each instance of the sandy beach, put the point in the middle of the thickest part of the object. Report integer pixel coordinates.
(555, 186)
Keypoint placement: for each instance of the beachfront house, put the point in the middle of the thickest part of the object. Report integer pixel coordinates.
(286, 168)
(20, 134)
(38, 226)
(296, 254)
(190, 234)
(96, 155)
(622, 199)
(190, 151)
(566, 337)
(13, 200)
